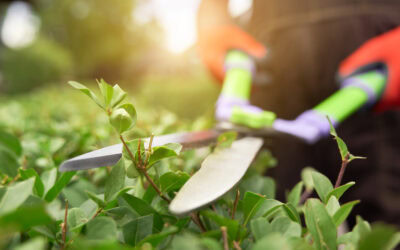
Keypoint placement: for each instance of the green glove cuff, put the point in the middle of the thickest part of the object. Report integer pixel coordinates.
(238, 77)
(357, 91)
(258, 119)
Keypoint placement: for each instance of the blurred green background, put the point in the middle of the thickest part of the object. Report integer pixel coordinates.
(46, 43)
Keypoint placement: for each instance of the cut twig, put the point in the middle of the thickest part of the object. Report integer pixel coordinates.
(196, 219)
(149, 149)
(236, 245)
(143, 169)
(139, 154)
(342, 169)
(235, 203)
(225, 238)
(64, 226)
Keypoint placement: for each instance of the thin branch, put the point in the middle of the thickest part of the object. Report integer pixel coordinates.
(143, 169)
(14, 179)
(64, 226)
(154, 185)
(342, 169)
(127, 148)
(4, 181)
(236, 245)
(98, 211)
(139, 154)
(235, 203)
(149, 149)
(306, 194)
(197, 221)
(225, 238)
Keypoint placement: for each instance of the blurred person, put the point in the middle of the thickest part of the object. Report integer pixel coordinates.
(301, 47)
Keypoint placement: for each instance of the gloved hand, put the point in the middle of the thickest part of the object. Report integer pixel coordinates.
(214, 43)
(233, 103)
(383, 50)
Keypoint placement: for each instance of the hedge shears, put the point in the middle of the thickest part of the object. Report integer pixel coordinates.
(252, 124)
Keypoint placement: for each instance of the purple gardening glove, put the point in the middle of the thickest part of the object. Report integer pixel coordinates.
(225, 105)
(309, 126)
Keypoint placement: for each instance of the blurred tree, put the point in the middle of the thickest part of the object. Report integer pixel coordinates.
(100, 34)
(42, 62)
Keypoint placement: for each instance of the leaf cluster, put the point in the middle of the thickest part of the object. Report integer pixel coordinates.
(123, 206)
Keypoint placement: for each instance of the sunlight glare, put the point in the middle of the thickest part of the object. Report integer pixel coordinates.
(20, 26)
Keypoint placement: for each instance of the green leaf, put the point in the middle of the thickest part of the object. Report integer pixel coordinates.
(133, 146)
(115, 181)
(298, 243)
(15, 195)
(306, 177)
(339, 191)
(342, 146)
(172, 181)
(76, 218)
(101, 228)
(268, 208)
(323, 185)
(59, 185)
(106, 90)
(22, 218)
(252, 202)
(121, 120)
(294, 195)
(344, 152)
(260, 227)
(351, 239)
(10, 143)
(38, 243)
(273, 241)
(87, 92)
(361, 229)
(226, 139)
(163, 152)
(143, 209)
(342, 213)
(118, 96)
(263, 161)
(231, 225)
(130, 109)
(49, 178)
(156, 239)
(8, 163)
(187, 241)
(259, 184)
(380, 237)
(30, 172)
(210, 244)
(137, 229)
(286, 227)
(100, 202)
(320, 225)
(131, 170)
(291, 212)
(332, 206)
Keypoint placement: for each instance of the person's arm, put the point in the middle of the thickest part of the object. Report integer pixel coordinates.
(369, 77)
(381, 52)
(212, 13)
(217, 34)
